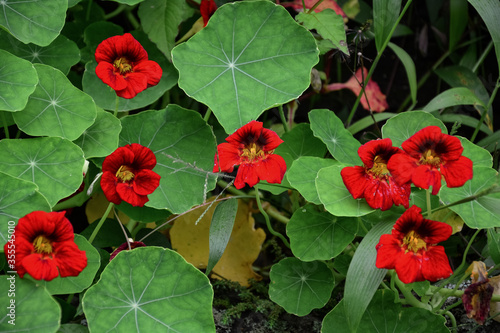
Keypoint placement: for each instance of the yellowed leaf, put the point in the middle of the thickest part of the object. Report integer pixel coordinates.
(448, 216)
(192, 242)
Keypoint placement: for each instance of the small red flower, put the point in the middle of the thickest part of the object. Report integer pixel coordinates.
(124, 247)
(122, 63)
(127, 175)
(376, 100)
(251, 147)
(411, 248)
(429, 156)
(45, 248)
(373, 181)
(207, 9)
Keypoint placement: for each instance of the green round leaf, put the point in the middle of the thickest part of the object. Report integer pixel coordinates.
(56, 108)
(184, 146)
(479, 156)
(339, 141)
(38, 22)
(143, 214)
(404, 125)
(335, 196)
(17, 198)
(54, 164)
(18, 79)
(62, 53)
(105, 97)
(150, 289)
(299, 287)
(76, 284)
(251, 57)
(35, 310)
(383, 315)
(300, 142)
(101, 138)
(318, 235)
(302, 175)
(483, 212)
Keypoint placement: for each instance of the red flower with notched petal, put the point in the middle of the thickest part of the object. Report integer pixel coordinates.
(122, 63)
(45, 248)
(127, 175)
(373, 181)
(251, 147)
(411, 248)
(429, 156)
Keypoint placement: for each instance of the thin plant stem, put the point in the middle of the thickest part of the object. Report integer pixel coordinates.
(5, 127)
(268, 222)
(131, 225)
(207, 114)
(116, 12)
(313, 7)
(452, 319)
(101, 222)
(116, 106)
(123, 229)
(485, 112)
(412, 300)
(375, 62)
(482, 57)
(283, 119)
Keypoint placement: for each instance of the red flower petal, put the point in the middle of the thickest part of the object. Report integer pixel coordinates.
(108, 186)
(425, 176)
(378, 194)
(435, 264)
(144, 158)
(409, 268)
(106, 72)
(272, 169)
(457, 173)
(388, 251)
(151, 70)
(146, 181)
(121, 156)
(373, 148)
(114, 47)
(355, 179)
(40, 269)
(229, 156)
(136, 82)
(434, 232)
(128, 194)
(247, 133)
(401, 167)
(207, 8)
(246, 174)
(69, 259)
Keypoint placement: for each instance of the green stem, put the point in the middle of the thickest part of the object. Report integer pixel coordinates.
(495, 188)
(452, 319)
(132, 19)
(485, 112)
(412, 300)
(116, 12)
(5, 127)
(283, 119)
(131, 225)
(101, 222)
(483, 56)
(313, 7)
(116, 106)
(268, 222)
(375, 62)
(207, 115)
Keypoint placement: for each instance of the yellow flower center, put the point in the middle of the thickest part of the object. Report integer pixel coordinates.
(124, 174)
(379, 167)
(414, 242)
(42, 245)
(253, 152)
(123, 65)
(430, 157)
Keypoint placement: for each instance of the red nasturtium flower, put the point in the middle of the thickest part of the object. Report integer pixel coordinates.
(429, 156)
(251, 147)
(127, 174)
(376, 100)
(411, 248)
(207, 9)
(122, 63)
(373, 181)
(45, 247)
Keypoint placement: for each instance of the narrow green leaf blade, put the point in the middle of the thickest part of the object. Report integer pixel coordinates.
(452, 97)
(411, 72)
(458, 21)
(490, 12)
(220, 231)
(385, 15)
(363, 277)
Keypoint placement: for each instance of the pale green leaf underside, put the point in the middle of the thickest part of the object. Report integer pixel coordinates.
(251, 57)
(18, 80)
(38, 22)
(299, 287)
(55, 165)
(56, 107)
(184, 146)
(150, 289)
